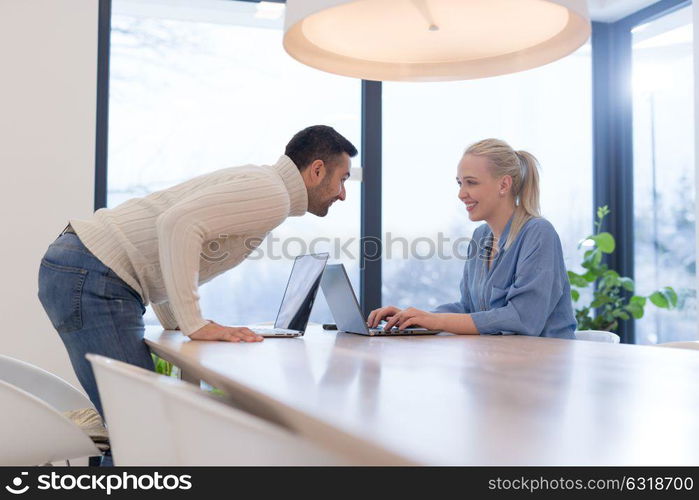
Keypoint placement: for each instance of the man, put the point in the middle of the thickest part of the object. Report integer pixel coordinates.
(97, 277)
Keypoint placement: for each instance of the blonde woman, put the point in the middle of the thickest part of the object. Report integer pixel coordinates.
(516, 281)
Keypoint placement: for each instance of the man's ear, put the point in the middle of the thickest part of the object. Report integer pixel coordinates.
(316, 172)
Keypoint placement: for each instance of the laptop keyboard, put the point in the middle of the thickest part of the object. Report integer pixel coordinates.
(393, 330)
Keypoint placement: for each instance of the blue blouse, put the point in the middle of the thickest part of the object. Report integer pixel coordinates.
(525, 291)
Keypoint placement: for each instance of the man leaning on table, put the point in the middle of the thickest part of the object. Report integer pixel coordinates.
(97, 277)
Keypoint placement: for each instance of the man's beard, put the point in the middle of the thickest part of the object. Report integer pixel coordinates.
(318, 205)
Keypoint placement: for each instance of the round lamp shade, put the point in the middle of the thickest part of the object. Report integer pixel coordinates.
(432, 40)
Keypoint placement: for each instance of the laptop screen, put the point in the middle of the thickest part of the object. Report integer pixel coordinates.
(342, 300)
(301, 291)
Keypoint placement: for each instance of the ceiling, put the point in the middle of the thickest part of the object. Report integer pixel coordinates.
(600, 10)
(612, 10)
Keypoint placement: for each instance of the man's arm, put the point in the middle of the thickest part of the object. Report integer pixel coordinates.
(243, 206)
(165, 316)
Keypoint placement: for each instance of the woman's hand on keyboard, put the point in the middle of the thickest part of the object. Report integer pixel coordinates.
(382, 313)
(412, 317)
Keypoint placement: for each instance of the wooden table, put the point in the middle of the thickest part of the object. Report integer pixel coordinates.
(448, 399)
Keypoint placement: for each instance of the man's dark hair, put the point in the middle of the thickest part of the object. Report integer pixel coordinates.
(318, 142)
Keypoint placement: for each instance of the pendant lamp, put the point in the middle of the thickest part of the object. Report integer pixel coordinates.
(432, 40)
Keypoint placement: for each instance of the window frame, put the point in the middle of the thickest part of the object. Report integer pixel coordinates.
(612, 119)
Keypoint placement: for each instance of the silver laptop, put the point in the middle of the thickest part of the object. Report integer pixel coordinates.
(300, 293)
(345, 308)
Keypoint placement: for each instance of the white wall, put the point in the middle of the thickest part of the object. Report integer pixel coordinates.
(48, 56)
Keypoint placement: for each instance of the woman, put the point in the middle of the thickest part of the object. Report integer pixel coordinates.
(516, 283)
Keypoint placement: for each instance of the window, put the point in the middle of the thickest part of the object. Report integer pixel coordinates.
(546, 111)
(198, 86)
(663, 148)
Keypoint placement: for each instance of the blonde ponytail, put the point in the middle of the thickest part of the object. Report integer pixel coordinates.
(523, 168)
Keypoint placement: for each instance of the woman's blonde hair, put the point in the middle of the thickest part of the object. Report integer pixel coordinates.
(523, 168)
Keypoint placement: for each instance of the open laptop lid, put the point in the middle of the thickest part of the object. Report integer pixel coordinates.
(300, 293)
(342, 301)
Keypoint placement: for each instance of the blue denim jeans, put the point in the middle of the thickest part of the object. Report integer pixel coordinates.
(92, 309)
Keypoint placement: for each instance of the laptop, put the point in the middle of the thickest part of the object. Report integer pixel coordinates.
(344, 307)
(300, 293)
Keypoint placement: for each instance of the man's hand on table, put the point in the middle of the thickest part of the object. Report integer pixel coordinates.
(214, 331)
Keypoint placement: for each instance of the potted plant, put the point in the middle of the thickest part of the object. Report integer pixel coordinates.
(613, 298)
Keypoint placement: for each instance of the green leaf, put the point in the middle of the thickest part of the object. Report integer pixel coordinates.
(161, 366)
(602, 211)
(665, 298)
(610, 281)
(627, 283)
(592, 258)
(597, 259)
(577, 280)
(670, 295)
(638, 300)
(636, 310)
(590, 276)
(621, 314)
(600, 300)
(605, 242)
(575, 295)
(659, 300)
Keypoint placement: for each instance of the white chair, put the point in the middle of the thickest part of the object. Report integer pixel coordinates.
(597, 336)
(33, 432)
(682, 344)
(44, 385)
(52, 390)
(157, 420)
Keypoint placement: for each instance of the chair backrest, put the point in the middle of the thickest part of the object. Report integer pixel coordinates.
(158, 420)
(42, 384)
(597, 336)
(687, 344)
(33, 433)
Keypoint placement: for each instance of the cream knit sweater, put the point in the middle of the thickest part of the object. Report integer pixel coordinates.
(166, 244)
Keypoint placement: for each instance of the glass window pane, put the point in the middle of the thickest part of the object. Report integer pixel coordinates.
(663, 141)
(197, 87)
(546, 111)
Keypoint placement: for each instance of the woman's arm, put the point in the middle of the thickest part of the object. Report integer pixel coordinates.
(447, 322)
(461, 324)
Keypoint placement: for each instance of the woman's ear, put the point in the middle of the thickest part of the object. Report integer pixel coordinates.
(505, 184)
